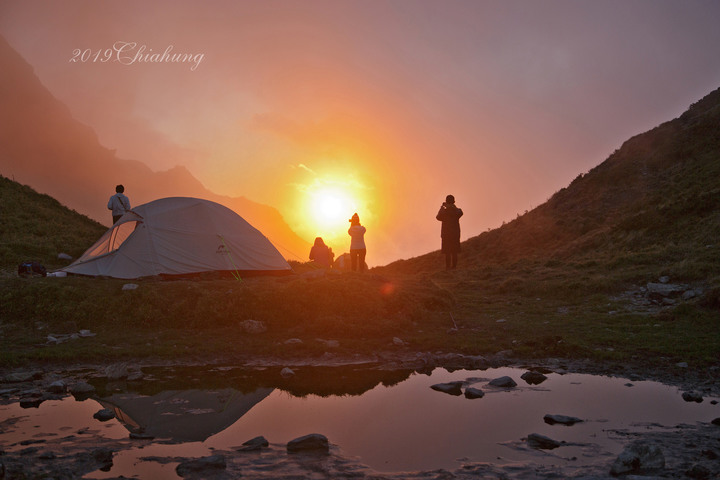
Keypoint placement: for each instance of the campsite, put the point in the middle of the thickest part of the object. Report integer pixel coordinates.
(533, 187)
(627, 300)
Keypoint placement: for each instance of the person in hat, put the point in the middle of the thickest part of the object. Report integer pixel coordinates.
(449, 215)
(118, 203)
(357, 244)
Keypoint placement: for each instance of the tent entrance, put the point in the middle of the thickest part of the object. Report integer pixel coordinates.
(111, 240)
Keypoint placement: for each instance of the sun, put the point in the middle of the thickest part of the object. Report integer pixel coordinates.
(330, 206)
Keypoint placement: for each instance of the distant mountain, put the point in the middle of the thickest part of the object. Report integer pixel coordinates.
(656, 198)
(43, 146)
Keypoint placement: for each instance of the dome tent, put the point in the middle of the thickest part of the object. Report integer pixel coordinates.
(179, 236)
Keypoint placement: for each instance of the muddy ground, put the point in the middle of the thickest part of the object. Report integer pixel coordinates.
(689, 451)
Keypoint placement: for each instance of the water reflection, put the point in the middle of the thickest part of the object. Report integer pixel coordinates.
(390, 420)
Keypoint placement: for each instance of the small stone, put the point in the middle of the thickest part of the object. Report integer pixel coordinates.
(257, 443)
(82, 388)
(253, 326)
(561, 419)
(213, 462)
(313, 443)
(31, 402)
(452, 388)
(398, 342)
(638, 456)
(58, 386)
(141, 436)
(533, 378)
(117, 371)
(692, 397)
(473, 393)
(537, 441)
(104, 415)
(287, 372)
(130, 286)
(503, 382)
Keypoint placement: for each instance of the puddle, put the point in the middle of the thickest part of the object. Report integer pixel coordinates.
(389, 421)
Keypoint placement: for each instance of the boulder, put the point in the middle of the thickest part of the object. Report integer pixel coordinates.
(20, 377)
(204, 464)
(637, 457)
(537, 441)
(313, 443)
(82, 389)
(503, 382)
(561, 419)
(452, 388)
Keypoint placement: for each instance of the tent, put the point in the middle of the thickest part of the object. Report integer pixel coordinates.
(179, 236)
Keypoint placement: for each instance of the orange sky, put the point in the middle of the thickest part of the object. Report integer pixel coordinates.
(394, 104)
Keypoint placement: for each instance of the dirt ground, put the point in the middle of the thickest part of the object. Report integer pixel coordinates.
(690, 451)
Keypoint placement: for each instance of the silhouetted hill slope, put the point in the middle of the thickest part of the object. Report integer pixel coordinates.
(43, 146)
(658, 195)
(37, 227)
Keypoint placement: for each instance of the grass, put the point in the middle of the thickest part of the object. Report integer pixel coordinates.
(559, 281)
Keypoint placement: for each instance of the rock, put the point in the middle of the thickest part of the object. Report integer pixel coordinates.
(682, 365)
(286, 372)
(116, 371)
(293, 341)
(82, 388)
(664, 289)
(104, 415)
(688, 294)
(313, 443)
(533, 378)
(561, 419)
(64, 256)
(664, 279)
(20, 377)
(473, 393)
(86, 333)
(452, 388)
(504, 382)
(692, 396)
(398, 342)
(329, 343)
(103, 456)
(637, 457)
(213, 462)
(537, 441)
(716, 421)
(58, 386)
(130, 286)
(700, 472)
(253, 326)
(141, 436)
(31, 402)
(257, 443)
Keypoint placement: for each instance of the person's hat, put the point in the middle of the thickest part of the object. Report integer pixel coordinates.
(450, 199)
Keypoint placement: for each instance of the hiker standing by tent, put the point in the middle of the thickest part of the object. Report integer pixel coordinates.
(118, 203)
(321, 253)
(449, 215)
(357, 244)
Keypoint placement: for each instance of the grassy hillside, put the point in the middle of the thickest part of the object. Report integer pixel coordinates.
(37, 227)
(654, 203)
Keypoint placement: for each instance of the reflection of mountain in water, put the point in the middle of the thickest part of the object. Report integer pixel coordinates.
(183, 415)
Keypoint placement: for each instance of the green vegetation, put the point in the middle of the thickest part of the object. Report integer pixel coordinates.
(564, 280)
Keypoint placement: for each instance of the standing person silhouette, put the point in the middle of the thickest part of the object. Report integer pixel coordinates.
(118, 203)
(449, 215)
(357, 244)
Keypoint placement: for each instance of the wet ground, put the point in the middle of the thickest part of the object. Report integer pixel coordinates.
(382, 420)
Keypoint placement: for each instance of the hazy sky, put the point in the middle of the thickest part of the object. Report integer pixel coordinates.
(386, 106)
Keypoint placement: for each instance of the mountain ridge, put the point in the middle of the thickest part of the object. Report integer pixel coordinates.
(43, 146)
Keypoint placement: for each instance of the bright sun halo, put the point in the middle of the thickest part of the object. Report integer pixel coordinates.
(330, 206)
